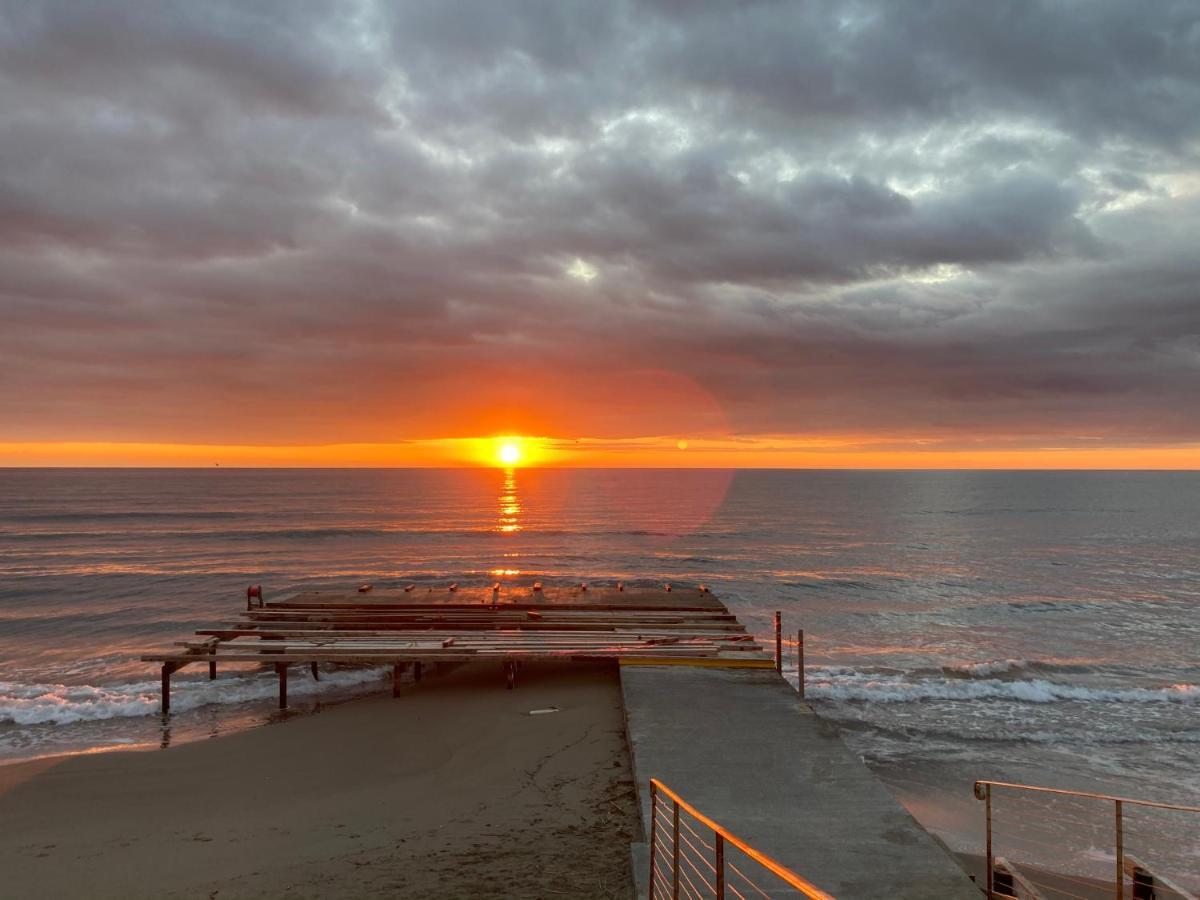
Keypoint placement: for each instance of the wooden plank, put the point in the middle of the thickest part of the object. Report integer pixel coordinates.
(269, 655)
(472, 638)
(382, 656)
(431, 637)
(227, 634)
(275, 647)
(482, 613)
(718, 663)
(485, 625)
(479, 608)
(538, 607)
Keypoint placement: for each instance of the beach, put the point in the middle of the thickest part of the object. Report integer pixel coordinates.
(452, 789)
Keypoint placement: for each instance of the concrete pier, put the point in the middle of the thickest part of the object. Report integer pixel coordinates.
(740, 746)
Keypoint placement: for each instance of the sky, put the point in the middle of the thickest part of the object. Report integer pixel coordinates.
(665, 233)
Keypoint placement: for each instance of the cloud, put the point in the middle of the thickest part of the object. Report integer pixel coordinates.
(949, 222)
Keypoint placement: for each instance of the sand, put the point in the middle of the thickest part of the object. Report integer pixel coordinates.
(451, 790)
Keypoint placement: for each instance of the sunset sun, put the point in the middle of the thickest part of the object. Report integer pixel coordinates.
(509, 454)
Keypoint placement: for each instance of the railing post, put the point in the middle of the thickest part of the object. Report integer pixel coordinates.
(675, 852)
(800, 662)
(719, 865)
(778, 642)
(991, 859)
(1120, 829)
(653, 834)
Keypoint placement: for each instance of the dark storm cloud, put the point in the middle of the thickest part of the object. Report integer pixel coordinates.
(270, 221)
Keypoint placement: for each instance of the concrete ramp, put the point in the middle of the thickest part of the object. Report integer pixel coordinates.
(740, 746)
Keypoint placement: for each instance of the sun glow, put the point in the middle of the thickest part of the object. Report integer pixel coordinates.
(509, 454)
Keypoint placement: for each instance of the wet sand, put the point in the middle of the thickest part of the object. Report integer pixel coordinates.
(451, 790)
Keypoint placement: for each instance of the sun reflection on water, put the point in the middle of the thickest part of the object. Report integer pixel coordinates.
(509, 520)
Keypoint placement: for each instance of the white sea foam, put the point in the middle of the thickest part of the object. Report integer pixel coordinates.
(838, 685)
(990, 668)
(62, 704)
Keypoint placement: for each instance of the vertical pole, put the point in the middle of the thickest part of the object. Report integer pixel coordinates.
(675, 853)
(397, 671)
(719, 866)
(991, 860)
(416, 671)
(166, 689)
(212, 671)
(282, 668)
(778, 641)
(1120, 827)
(800, 662)
(653, 835)
(316, 673)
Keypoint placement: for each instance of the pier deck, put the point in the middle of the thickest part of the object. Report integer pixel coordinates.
(413, 626)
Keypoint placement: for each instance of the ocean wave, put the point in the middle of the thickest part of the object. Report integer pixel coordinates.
(988, 669)
(1015, 667)
(62, 704)
(840, 685)
(119, 515)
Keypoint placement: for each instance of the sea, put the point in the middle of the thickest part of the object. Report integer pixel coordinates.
(1028, 627)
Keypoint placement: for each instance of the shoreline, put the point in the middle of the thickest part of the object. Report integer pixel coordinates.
(452, 790)
(214, 720)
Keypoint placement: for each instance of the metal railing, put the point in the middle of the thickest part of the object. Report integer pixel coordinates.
(683, 863)
(1125, 865)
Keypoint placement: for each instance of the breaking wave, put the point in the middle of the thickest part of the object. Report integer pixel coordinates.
(62, 704)
(842, 684)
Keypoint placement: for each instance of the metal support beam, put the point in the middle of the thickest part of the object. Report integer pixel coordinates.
(167, 669)
(778, 642)
(281, 669)
(800, 662)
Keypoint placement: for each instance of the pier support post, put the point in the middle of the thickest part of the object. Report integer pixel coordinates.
(800, 662)
(212, 671)
(281, 669)
(316, 673)
(779, 642)
(167, 669)
(416, 671)
(397, 672)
